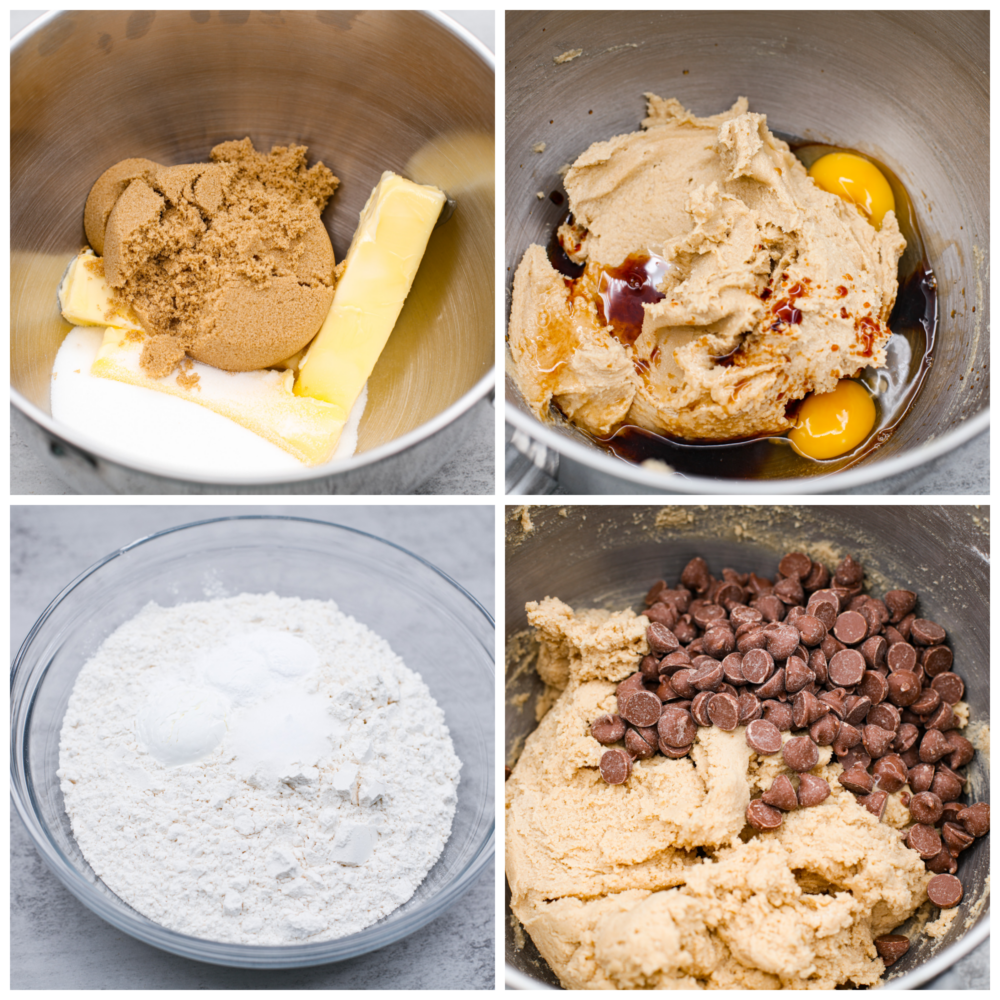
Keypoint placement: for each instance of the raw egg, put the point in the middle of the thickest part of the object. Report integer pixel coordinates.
(833, 423)
(855, 179)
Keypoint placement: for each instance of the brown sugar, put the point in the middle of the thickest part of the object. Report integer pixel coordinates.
(225, 262)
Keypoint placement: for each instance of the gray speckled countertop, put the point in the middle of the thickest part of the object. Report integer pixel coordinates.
(471, 470)
(57, 943)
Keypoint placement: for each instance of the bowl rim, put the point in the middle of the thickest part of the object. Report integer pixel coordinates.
(479, 390)
(861, 475)
(222, 952)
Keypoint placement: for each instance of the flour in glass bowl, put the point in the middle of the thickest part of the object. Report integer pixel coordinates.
(257, 769)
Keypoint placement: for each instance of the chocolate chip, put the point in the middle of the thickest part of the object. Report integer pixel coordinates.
(674, 752)
(650, 668)
(920, 777)
(707, 614)
(616, 766)
(927, 702)
(856, 709)
(685, 629)
(877, 740)
(800, 753)
(874, 687)
(676, 727)
(849, 572)
(663, 614)
(761, 816)
(885, 716)
(847, 667)
(926, 807)
(757, 665)
(771, 607)
(812, 790)
(923, 839)
(891, 947)
(824, 610)
(873, 650)
(942, 718)
(819, 577)
(807, 709)
(875, 803)
(661, 639)
(795, 564)
(627, 688)
(847, 743)
(752, 638)
(901, 656)
(763, 737)
(889, 775)
(639, 746)
(782, 641)
(945, 891)
(696, 576)
(732, 669)
(797, 674)
(934, 746)
(943, 861)
(950, 811)
(781, 794)
(773, 687)
(778, 712)
(926, 633)
(947, 786)
(850, 628)
(607, 729)
(724, 711)
(855, 755)
(824, 732)
(949, 686)
(789, 591)
(857, 779)
(900, 603)
(936, 660)
(720, 640)
(904, 687)
(681, 682)
(699, 707)
(642, 709)
(956, 838)
(749, 708)
(976, 819)
(654, 592)
(906, 737)
(963, 752)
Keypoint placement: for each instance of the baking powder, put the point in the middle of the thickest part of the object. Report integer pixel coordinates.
(256, 769)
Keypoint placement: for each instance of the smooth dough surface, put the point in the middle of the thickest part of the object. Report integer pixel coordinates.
(656, 884)
(745, 234)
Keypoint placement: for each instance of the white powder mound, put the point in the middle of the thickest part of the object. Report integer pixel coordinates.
(256, 769)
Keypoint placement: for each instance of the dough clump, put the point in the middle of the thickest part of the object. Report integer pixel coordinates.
(658, 883)
(225, 262)
(773, 288)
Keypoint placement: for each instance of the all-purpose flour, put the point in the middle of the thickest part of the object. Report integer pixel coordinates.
(256, 769)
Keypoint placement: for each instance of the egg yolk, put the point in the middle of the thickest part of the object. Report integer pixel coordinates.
(833, 423)
(857, 180)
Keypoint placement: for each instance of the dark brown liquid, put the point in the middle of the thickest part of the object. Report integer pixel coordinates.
(623, 292)
(909, 355)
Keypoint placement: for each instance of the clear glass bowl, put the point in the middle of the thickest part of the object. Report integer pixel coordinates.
(438, 629)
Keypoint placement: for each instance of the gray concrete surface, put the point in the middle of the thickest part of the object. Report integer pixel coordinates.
(57, 943)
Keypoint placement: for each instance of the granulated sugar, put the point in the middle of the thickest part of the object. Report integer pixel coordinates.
(256, 769)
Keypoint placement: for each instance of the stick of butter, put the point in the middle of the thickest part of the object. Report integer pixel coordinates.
(86, 300)
(262, 401)
(378, 271)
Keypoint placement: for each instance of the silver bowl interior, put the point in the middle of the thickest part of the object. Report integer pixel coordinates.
(607, 556)
(911, 89)
(366, 91)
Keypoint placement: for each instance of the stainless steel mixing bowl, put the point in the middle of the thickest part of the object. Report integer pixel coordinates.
(910, 88)
(366, 91)
(591, 556)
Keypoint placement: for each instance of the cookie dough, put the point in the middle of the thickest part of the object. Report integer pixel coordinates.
(655, 884)
(769, 288)
(225, 262)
